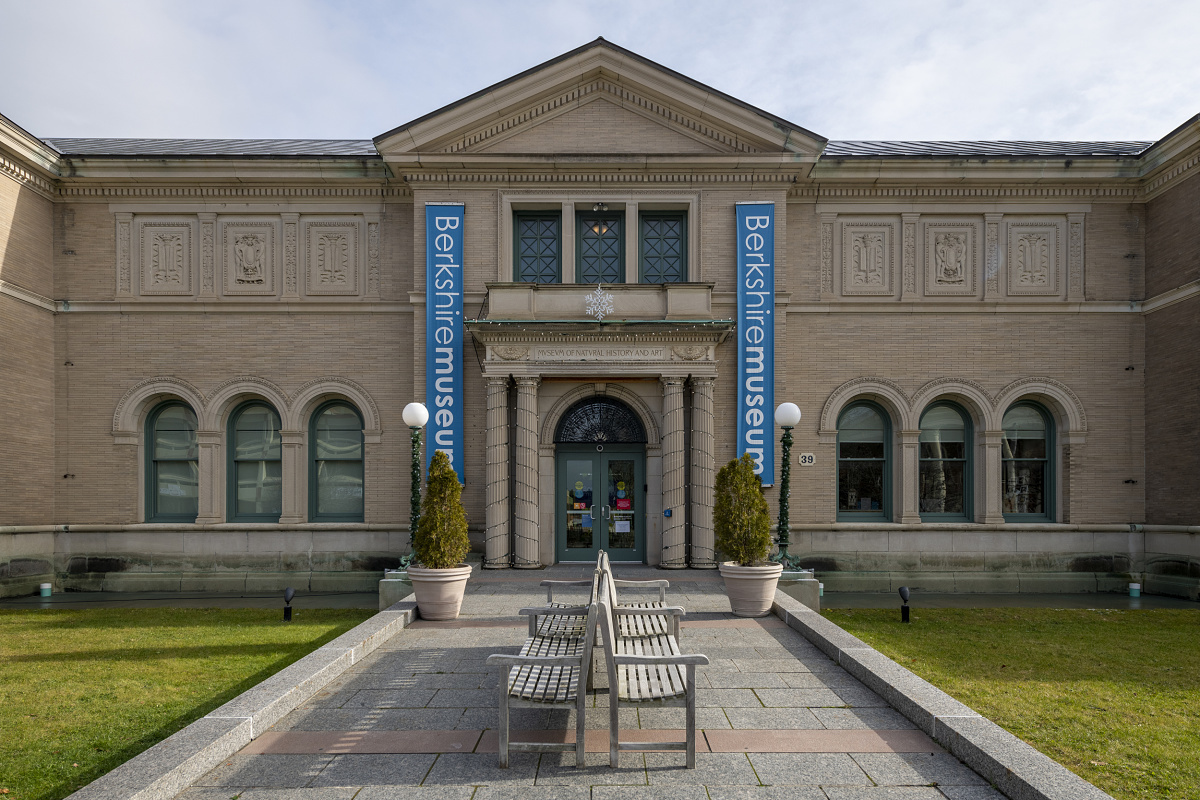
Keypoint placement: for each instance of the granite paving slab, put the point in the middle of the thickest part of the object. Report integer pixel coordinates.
(416, 720)
(369, 769)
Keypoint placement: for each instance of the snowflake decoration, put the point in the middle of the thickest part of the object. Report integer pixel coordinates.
(599, 304)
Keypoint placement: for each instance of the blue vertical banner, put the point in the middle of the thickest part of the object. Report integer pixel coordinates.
(756, 335)
(444, 331)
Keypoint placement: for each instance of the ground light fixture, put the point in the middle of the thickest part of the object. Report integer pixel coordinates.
(787, 416)
(904, 595)
(415, 416)
(288, 594)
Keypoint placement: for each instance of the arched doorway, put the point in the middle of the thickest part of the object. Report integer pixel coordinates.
(600, 480)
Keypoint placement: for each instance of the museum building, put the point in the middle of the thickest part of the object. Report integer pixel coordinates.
(600, 276)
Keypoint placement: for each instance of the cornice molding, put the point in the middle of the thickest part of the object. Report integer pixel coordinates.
(33, 298)
(26, 177)
(599, 177)
(1169, 178)
(375, 189)
(972, 192)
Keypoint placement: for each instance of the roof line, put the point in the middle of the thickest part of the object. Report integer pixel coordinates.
(600, 41)
(1177, 131)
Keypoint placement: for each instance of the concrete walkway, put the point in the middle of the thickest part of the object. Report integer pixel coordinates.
(416, 719)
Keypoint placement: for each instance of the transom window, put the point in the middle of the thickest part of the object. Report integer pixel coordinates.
(864, 468)
(663, 247)
(945, 463)
(173, 467)
(255, 464)
(538, 247)
(600, 247)
(1027, 465)
(336, 464)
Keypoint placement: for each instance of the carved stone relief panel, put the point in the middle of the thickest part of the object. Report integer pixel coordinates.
(333, 248)
(250, 255)
(165, 252)
(868, 258)
(1035, 258)
(951, 257)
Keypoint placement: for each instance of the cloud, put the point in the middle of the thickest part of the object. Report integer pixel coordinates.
(931, 69)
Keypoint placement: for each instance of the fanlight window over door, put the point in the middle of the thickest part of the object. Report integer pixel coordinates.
(600, 420)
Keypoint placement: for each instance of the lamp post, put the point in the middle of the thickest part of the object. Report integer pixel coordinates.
(415, 417)
(787, 416)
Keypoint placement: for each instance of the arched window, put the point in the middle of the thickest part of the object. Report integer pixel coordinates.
(1027, 453)
(255, 471)
(864, 463)
(945, 463)
(335, 478)
(172, 464)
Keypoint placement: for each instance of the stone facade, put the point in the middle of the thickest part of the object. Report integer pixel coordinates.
(903, 279)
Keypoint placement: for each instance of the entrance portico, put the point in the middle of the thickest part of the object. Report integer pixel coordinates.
(544, 357)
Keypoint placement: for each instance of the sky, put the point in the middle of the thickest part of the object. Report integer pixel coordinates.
(855, 69)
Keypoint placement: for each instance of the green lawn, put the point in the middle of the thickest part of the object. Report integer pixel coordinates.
(1112, 695)
(82, 691)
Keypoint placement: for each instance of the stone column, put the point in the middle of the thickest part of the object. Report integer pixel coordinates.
(295, 474)
(703, 474)
(291, 255)
(495, 542)
(904, 507)
(674, 547)
(125, 275)
(1075, 257)
(908, 254)
(208, 254)
(526, 490)
(211, 494)
(991, 256)
(827, 221)
(993, 477)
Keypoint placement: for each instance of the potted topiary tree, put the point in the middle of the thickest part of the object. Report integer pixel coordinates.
(743, 533)
(438, 574)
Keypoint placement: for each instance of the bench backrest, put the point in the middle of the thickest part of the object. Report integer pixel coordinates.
(589, 631)
(605, 565)
(609, 627)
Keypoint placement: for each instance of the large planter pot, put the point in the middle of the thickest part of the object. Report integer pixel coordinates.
(751, 590)
(439, 591)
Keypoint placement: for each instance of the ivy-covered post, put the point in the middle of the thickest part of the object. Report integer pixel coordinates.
(787, 416)
(415, 417)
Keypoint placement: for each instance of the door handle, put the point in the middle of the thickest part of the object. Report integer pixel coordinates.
(605, 511)
(592, 512)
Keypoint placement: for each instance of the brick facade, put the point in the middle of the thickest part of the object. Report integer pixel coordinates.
(1075, 326)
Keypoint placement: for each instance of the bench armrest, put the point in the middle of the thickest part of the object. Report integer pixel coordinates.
(551, 585)
(679, 660)
(555, 611)
(665, 611)
(536, 661)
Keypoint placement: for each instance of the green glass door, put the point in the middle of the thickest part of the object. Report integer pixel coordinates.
(601, 502)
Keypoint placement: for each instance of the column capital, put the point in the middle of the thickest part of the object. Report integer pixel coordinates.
(208, 438)
(706, 381)
(991, 438)
(496, 380)
(529, 380)
(671, 380)
(909, 437)
(291, 437)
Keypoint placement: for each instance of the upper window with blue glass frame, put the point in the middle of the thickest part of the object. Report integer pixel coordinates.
(537, 245)
(663, 238)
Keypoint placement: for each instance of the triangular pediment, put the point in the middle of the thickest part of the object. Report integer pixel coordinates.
(599, 125)
(598, 100)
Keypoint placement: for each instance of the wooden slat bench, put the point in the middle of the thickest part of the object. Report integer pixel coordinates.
(562, 624)
(549, 671)
(647, 669)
